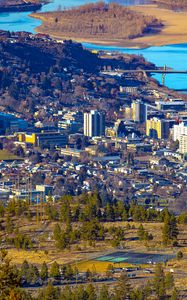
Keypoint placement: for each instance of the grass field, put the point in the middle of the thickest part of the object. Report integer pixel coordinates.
(98, 266)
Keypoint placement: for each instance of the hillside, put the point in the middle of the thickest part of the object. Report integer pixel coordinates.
(98, 21)
(36, 70)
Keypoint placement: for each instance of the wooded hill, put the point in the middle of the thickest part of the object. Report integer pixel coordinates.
(98, 21)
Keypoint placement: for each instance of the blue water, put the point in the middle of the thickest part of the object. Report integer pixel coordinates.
(22, 21)
(173, 56)
(18, 22)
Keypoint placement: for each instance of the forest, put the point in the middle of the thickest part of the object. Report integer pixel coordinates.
(99, 21)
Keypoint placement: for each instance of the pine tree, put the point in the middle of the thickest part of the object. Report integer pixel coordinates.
(61, 237)
(91, 292)
(170, 229)
(80, 293)
(123, 289)
(141, 232)
(34, 274)
(49, 293)
(24, 272)
(9, 225)
(44, 271)
(159, 281)
(179, 255)
(9, 279)
(55, 270)
(175, 294)
(169, 280)
(173, 228)
(104, 294)
(67, 293)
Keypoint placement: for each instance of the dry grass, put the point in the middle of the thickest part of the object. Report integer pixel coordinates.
(18, 256)
(175, 26)
(98, 266)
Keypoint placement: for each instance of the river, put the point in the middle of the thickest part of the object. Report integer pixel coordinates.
(173, 56)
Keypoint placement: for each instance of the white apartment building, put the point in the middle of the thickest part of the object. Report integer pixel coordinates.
(183, 143)
(179, 130)
(94, 123)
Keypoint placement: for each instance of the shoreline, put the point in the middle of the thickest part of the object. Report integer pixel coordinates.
(173, 32)
(107, 43)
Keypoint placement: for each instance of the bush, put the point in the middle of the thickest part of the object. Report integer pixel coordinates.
(179, 255)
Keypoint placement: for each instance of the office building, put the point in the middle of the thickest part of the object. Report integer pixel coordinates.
(44, 139)
(139, 111)
(158, 128)
(94, 123)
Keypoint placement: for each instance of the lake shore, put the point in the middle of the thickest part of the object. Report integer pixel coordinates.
(174, 30)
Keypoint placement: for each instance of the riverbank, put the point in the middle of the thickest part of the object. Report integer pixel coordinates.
(174, 30)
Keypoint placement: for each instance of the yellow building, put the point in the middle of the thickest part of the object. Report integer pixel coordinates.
(157, 128)
(43, 139)
(27, 138)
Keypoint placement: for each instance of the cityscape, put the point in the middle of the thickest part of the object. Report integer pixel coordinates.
(93, 150)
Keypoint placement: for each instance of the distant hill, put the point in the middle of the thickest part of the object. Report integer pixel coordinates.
(99, 21)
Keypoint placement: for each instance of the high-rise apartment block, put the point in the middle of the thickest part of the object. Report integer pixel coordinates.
(94, 123)
(178, 130)
(139, 111)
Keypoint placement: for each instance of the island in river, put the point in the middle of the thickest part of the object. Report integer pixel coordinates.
(98, 22)
(157, 26)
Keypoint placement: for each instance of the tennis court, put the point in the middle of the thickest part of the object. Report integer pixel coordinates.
(135, 258)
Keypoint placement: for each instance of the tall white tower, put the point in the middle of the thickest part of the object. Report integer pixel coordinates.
(94, 123)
